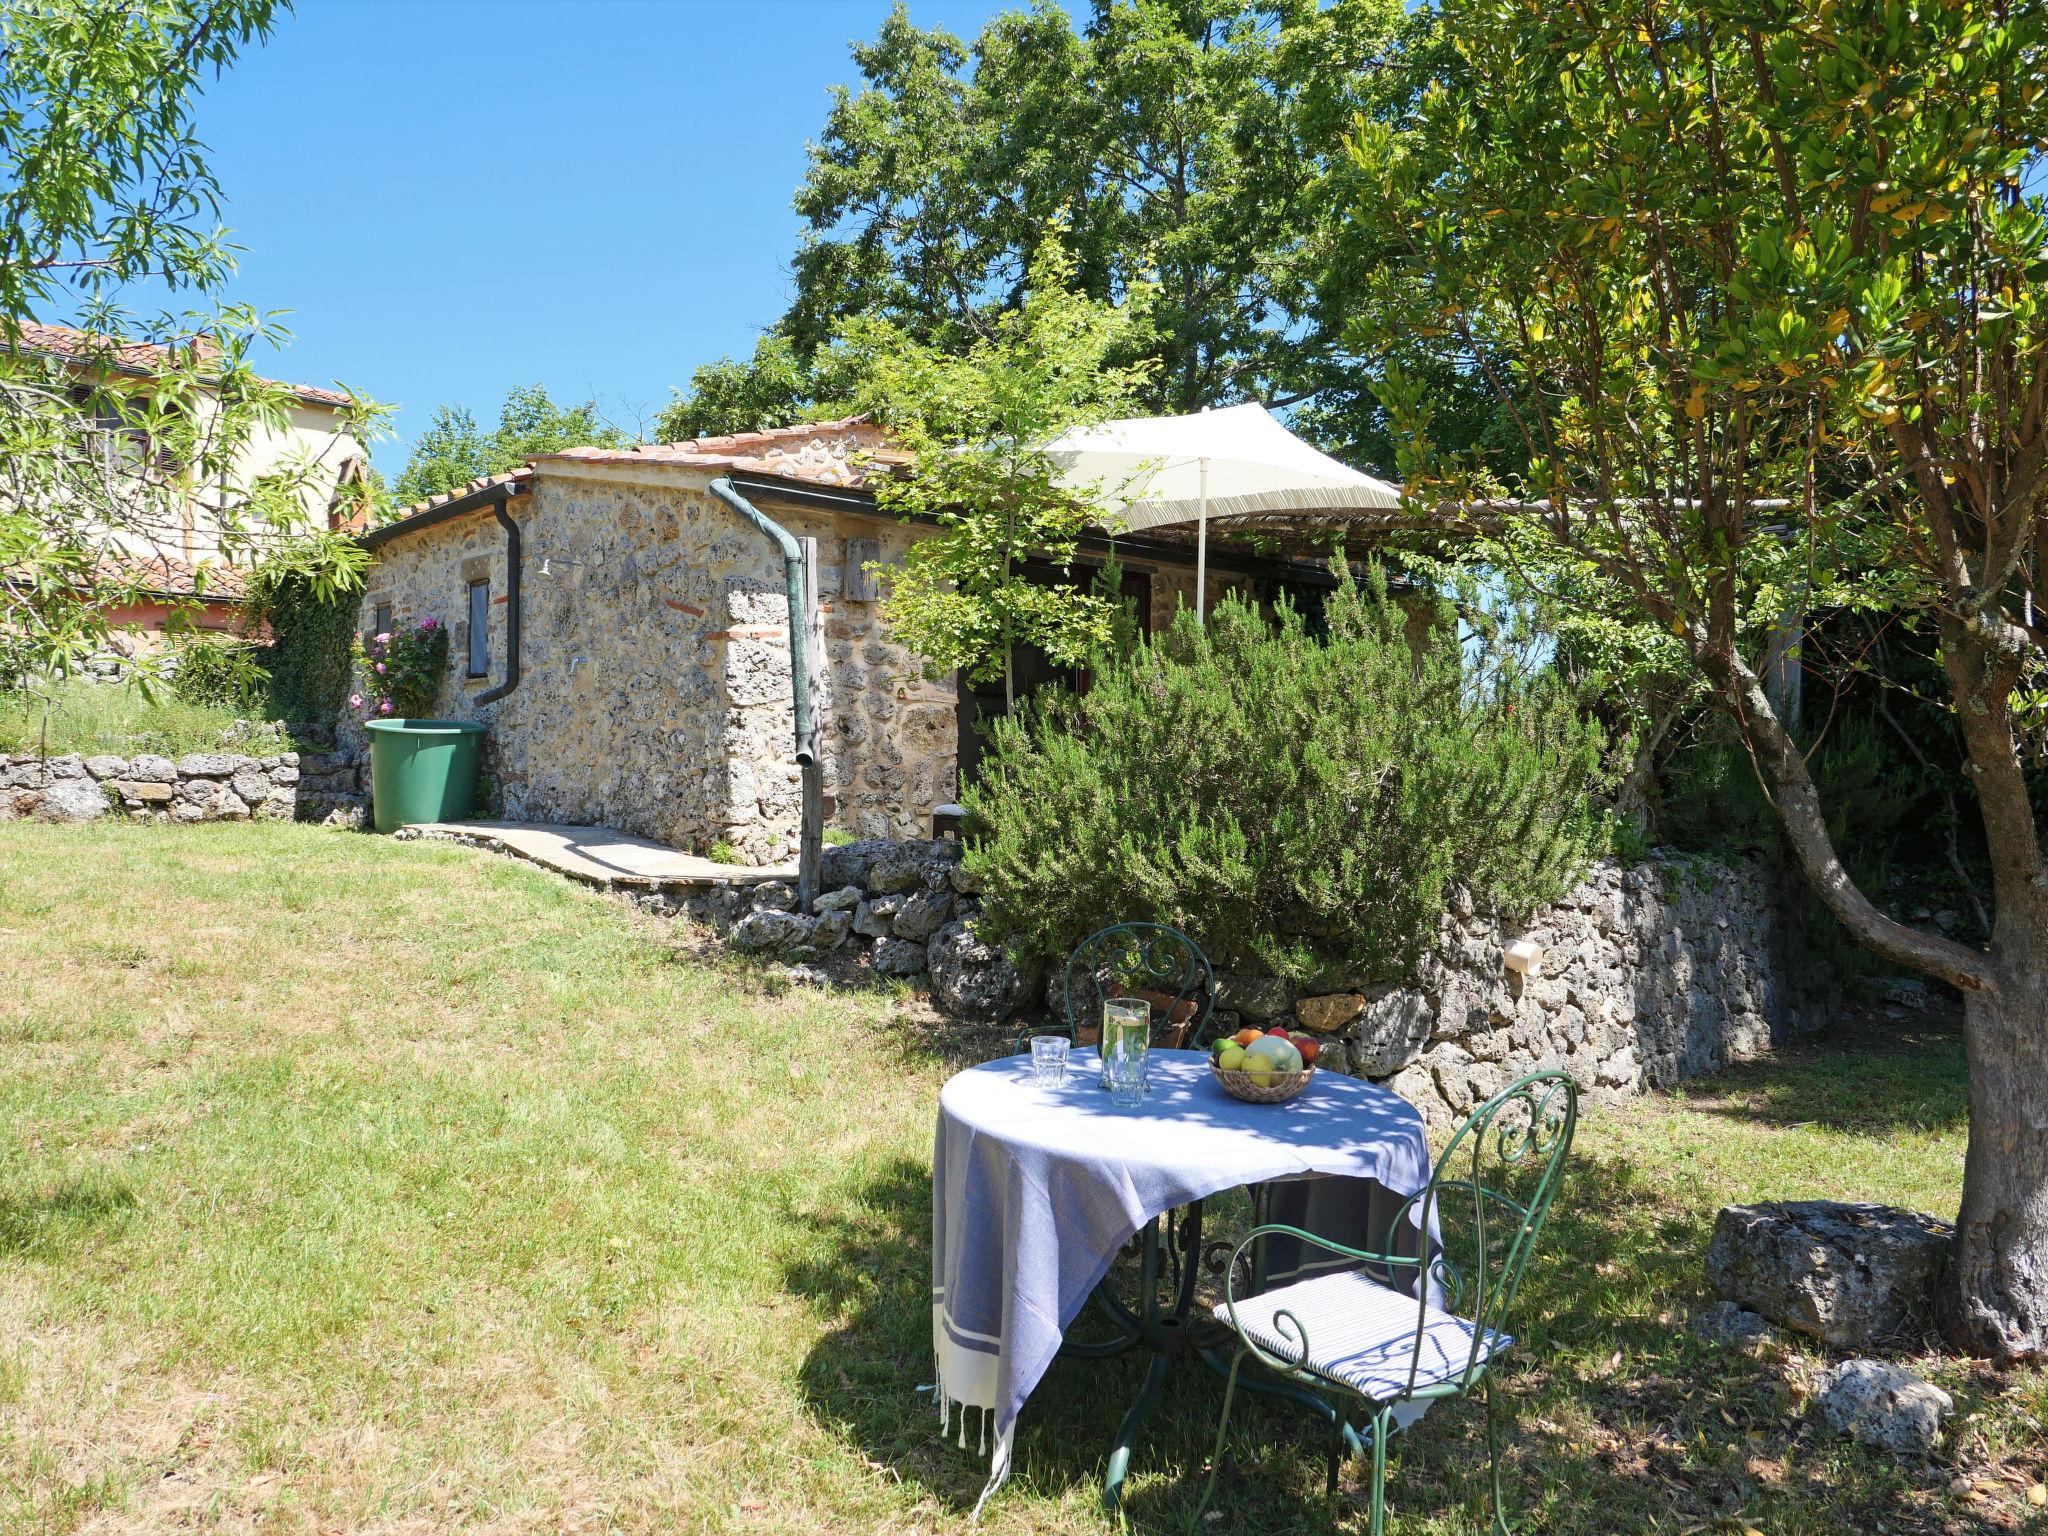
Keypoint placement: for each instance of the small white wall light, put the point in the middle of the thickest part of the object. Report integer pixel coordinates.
(1524, 957)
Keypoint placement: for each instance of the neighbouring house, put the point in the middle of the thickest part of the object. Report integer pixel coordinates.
(179, 562)
(625, 634)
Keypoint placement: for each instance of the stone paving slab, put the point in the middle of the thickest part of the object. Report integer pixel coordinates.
(600, 856)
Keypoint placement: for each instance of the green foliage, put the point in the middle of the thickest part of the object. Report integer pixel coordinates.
(89, 717)
(1193, 147)
(453, 450)
(402, 670)
(773, 388)
(1761, 289)
(221, 672)
(312, 640)
(976, 426)
(103, 182)
(102, 175)
(1294, 803)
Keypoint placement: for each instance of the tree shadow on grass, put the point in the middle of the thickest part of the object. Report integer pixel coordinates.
(46, 1224)
(1622, 1421)
(1864, 1080)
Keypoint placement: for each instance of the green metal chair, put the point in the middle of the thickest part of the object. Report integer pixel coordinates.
(1373, 1337)
(1130, 960)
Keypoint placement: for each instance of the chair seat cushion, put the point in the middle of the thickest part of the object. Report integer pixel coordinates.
(1362, 1334)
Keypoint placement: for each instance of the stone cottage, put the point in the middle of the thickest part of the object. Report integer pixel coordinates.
(625, 634)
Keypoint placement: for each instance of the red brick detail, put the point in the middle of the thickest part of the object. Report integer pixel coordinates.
(695, 613)
(756, 632)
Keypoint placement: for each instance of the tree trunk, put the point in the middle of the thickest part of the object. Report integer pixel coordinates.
(1997, 1300)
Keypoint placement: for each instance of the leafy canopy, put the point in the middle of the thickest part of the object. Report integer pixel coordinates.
(975, 427)
(109, 455)
(1762, 288)
(453, 450)
(1188, 145)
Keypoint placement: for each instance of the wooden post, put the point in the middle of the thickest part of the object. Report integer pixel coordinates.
(811, 834)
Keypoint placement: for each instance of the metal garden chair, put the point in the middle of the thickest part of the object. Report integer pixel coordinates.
(1356, 1339)
(1149, 960)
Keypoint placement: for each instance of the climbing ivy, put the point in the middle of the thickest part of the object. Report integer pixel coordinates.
(308, 656)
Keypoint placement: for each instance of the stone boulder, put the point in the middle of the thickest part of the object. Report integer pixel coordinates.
(973, 980)
(773, 896)
(105, 766)
(71, 800)
(1726, 1323)
(913, 867)
(848, 864)
(874, 919)
(1256, 997)
(833, 928)
(1885, 1406)
(899, 957)
(1393, 1029)
(1327, 1014)
(767, 931)
(1850, 1275)
(922, 914)
(206, 765)
(845, 899)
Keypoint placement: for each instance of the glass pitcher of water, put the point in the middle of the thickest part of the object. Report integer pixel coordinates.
(1126, 1038)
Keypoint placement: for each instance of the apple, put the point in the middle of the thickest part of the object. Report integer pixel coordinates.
(1271, 1057)
(1310, 1049)
(1232, 1058)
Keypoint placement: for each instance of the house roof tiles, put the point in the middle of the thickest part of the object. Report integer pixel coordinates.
(831, 453)
(133, 356)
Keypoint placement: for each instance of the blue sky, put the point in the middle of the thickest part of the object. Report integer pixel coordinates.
(456, 196)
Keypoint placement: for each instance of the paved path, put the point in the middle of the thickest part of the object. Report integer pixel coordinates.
(599, 856)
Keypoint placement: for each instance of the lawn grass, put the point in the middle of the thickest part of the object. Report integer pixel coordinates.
(119, 719)
(352, 1185)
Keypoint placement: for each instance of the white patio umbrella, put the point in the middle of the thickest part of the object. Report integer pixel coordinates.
(1235, 462)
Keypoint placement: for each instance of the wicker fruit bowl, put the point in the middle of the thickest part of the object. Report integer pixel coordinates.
(1278, 1088)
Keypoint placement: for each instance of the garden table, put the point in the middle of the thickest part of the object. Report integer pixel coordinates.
(1035, 1190)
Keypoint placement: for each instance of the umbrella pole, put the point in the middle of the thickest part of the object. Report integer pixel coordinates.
(1202, 543)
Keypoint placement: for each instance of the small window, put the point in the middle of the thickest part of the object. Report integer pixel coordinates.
(479, 628)
(381, 624)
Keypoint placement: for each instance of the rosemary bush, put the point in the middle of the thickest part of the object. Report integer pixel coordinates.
(1298, 803)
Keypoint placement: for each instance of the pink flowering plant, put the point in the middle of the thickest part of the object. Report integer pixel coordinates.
(401, 670)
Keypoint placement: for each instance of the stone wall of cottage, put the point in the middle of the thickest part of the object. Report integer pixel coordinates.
(299, 785)
(1650, 974)
(655, 687)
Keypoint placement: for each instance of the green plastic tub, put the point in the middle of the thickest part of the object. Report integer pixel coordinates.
(422, 770)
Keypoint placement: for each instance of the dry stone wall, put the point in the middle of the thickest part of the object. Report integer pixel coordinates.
(1650, 974)
(322, 786)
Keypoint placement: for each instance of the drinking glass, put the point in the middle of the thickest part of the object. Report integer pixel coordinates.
(1049, 1059)
(1127, 1087)
(1126, 1035)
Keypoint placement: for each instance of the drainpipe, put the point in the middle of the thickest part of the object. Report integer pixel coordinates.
(810, 844)
(512, 565)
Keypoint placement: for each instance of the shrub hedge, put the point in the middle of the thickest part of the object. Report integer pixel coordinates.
(1299, 803)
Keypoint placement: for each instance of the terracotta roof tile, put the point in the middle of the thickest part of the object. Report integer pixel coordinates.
(480, 483)
(831, 453)
(822, 452)
(174, 577)
(136, 356)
